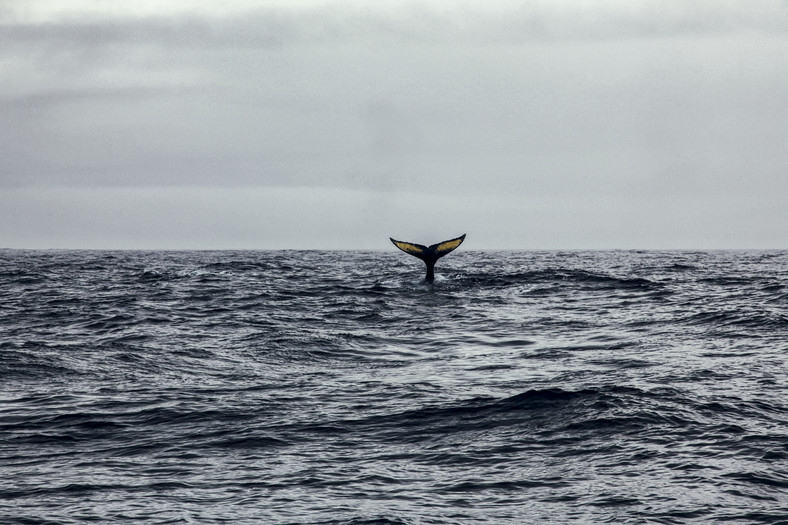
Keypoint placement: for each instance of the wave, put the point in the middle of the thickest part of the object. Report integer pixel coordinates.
(339, 388)
(562, 277)
(546, 412)
(762, 320)
(363, 521)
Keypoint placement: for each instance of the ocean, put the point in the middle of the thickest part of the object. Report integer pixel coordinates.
(336, 387)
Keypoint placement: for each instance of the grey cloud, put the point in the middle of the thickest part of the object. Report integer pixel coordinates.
(57, 97)
(613, 118)
(409, 116)
(420, 23)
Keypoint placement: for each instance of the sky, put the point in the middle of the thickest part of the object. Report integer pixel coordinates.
(552, 124)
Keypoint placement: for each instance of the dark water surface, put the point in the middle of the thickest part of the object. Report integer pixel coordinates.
(336, 388)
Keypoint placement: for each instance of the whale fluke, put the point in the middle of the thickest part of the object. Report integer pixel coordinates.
(429, 254)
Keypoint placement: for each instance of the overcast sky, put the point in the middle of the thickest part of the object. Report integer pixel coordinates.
(308, 124)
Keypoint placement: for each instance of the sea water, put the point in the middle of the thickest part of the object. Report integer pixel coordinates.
(336, 387)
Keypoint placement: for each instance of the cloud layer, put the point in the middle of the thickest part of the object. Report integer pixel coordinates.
(664, 109)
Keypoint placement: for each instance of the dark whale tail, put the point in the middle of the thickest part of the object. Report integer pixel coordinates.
(429, 254)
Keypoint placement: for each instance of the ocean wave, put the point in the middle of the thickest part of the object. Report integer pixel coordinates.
(338, 387)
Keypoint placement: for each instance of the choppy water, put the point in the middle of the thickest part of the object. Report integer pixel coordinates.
(336, 388)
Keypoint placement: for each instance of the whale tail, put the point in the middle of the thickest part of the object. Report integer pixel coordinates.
(429, 254)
